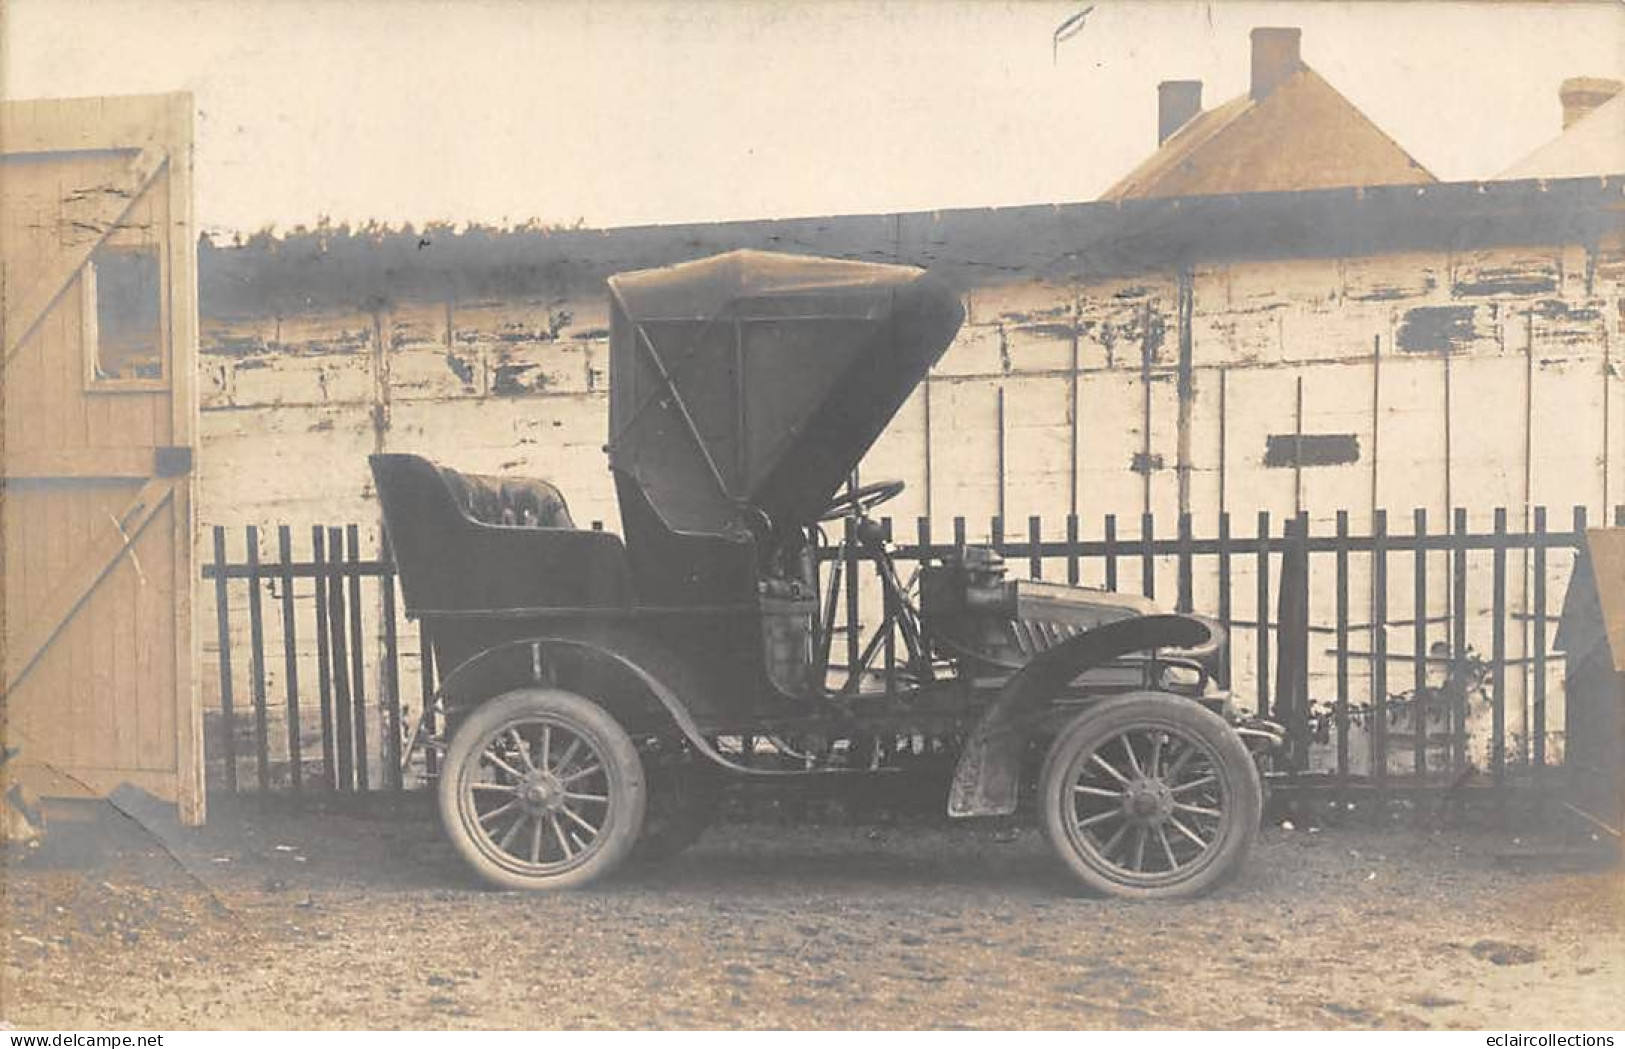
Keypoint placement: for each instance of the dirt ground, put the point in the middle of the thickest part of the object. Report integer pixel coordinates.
(282, 919)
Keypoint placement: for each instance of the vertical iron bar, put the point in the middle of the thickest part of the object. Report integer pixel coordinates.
(389, 676)
(1035, 557)
(1225, 613)
(995, 531)
(1148, 556)
(1299, 628)
(959, 533)
(1341, 710)
(324, 681)
(1262, 669)
(358, 655)
(1072, 549)
(1187, 584)
(342, 711)
(1419, 641)
(256, 660)
(1110, 536)
(1498, 651)
(290, 657)
(889, 612)
(426, 682)
(851, 583)
(222, 608)
(1379, 647)
(1540, 638)
(1458, 641)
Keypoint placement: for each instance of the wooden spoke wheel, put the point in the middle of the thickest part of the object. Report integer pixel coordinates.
(542, 789)
(1150, 795)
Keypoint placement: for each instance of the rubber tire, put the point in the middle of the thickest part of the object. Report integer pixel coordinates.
(624, 769)
(1238, 775)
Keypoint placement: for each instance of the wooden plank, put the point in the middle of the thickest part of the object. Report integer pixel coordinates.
(290, 657)
(342, 711)
(358, 690)
(181, 245)
(256, 660)
(223, 639)
(100, 556)
(324, 680)
(122, 462)
(389, 685)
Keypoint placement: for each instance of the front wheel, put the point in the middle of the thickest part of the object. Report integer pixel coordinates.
(1150, 795)
(542, 789)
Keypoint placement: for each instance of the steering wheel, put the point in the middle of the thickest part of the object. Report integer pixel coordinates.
(861, 500)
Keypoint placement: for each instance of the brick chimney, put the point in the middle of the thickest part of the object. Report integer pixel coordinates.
(1177, 102)
(1581, 94)
(1275, 57)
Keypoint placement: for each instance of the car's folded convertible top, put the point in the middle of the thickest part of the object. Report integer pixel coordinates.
(752, 383)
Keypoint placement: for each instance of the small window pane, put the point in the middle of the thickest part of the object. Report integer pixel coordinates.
(129, 330)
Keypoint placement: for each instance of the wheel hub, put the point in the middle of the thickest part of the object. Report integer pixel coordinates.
(541, 793)
(1148, 802)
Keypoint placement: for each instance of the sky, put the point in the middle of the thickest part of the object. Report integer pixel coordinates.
(626, 112)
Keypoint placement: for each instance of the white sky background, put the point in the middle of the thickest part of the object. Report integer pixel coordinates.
(639, 111)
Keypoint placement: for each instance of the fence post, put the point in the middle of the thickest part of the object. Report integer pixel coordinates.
(256, 659)
(334, 569)
(1225, 613)
(431, 757)
(389, 674)
(1540, 639)
(1341, 710)
(1379, 648)
(324, 678)
(1262, 670)
(357, 656)
(290, 657)
(1458, 641)
(1419, 640)
(1498, 645)
(222, 607)
(1148, 556)
(1186, 598)
(1035, 543)
(1110, 554)
(1072, 549)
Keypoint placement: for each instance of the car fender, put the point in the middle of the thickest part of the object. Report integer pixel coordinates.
(987, 778)
(648, 681)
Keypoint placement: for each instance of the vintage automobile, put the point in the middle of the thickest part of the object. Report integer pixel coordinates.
(597, 689)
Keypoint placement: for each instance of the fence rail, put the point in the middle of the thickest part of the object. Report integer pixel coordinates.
(329, 711)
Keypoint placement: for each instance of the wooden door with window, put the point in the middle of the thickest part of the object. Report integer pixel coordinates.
(98, 274)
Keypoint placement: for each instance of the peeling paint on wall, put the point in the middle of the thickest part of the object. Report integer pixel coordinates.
(1311, 449)
(1430, 329)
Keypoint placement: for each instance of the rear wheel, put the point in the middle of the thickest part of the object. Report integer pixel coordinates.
(1150, 795)
(542, 789)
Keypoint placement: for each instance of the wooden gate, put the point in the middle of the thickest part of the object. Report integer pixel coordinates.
(98, 274)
